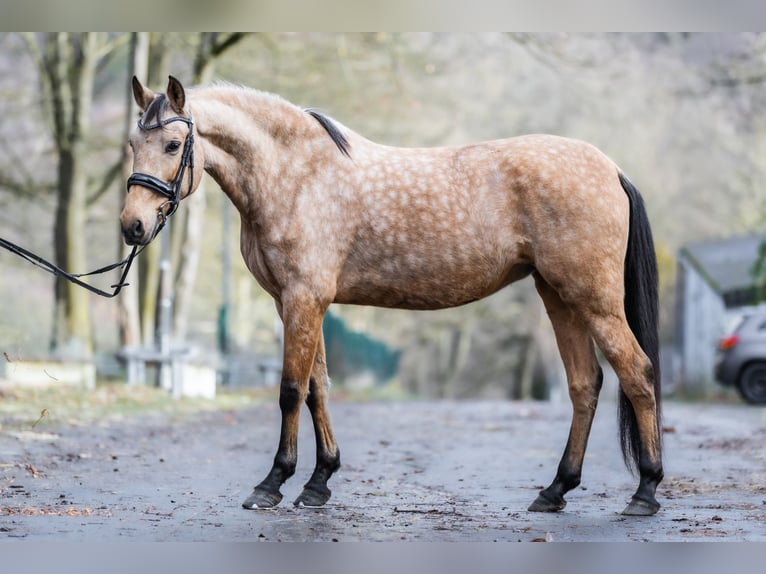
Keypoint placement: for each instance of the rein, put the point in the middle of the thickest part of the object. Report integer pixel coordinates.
(172, 191)
(74, 277)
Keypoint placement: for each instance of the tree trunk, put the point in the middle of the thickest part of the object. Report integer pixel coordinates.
(138, 307)
(138, 316)
(187, 235)
(188, 261)
(460, 347)
(69, 62)
(129, 317)
(74, 337)
(156, 72)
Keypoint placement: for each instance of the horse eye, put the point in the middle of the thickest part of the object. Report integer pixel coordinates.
(172, 146)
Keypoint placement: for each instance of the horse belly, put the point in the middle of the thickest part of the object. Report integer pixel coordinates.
(414, 280)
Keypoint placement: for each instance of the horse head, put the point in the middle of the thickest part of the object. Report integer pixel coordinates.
(167, 163)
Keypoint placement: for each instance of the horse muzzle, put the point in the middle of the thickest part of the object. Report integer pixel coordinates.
(134, 232)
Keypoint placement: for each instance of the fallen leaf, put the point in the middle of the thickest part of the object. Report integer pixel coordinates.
(43, 414)
(32, 470)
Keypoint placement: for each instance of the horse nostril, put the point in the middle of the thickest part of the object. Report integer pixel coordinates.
(133, 232)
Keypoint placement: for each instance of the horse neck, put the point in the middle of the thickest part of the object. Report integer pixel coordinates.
(244, 133)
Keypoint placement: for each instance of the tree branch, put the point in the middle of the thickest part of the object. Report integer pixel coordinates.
(106, 182)
(27, 188)
(56, 80)
(219, 48)
(108, 48)
(210, 48)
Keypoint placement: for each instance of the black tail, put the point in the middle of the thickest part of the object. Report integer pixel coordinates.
(642, 311)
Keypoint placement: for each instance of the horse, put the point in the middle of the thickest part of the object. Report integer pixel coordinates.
(328, 216)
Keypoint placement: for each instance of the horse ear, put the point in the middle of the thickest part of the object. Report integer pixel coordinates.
(176, 95)
(142, 95)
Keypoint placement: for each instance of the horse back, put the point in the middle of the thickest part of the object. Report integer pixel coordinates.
(441, 227)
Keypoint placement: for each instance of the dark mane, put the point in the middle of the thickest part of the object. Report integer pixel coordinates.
(154, 110)
(333, 131)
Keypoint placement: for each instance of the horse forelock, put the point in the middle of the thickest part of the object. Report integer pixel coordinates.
(155, 110)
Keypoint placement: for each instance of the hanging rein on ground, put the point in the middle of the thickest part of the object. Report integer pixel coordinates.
(328, 216)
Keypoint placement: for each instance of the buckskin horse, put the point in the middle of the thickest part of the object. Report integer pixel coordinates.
(328, 216)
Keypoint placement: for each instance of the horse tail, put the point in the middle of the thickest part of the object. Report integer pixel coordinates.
(642, 312)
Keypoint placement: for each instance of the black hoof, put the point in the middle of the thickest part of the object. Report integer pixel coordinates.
(311, 497)
(641, 507)
(543, 504)
(262, 498)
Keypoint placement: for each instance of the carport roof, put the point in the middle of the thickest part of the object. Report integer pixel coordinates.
(726, 265)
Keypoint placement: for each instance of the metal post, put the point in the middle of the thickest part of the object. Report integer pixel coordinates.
(223, 312)
(223, 316)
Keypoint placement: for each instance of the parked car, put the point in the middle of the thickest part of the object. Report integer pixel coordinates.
(741, 359)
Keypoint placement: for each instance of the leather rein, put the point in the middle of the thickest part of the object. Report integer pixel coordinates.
(171, 191)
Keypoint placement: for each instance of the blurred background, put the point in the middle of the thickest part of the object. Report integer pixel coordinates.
(682, 114)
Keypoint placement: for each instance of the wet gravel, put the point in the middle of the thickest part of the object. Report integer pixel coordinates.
(415, 471)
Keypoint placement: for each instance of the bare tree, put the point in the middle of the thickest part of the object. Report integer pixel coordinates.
(129, 322)
(150, 55)
(67, 64)
(149, 59)
(210, 47)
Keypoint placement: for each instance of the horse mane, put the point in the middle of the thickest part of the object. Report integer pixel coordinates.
(154, 111)
(332, 130)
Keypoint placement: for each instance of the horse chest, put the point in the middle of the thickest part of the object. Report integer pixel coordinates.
(259, 263)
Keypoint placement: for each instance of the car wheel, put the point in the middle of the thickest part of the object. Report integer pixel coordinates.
(752, 383)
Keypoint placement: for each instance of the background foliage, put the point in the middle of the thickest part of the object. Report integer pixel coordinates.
(682, 114)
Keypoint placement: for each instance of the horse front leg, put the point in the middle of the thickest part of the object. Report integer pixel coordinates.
(302, 317)
(315, 491)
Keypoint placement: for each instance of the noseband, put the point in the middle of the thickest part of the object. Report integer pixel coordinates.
(172, 190)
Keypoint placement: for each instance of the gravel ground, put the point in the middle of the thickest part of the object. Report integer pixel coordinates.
(415, 471)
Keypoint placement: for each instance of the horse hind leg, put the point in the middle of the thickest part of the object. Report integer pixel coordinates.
(636, 375)
(315, 491)
(584, 378)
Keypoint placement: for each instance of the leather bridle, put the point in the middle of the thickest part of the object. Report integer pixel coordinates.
(172, 190)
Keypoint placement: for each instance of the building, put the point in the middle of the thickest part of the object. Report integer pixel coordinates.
(715, 287)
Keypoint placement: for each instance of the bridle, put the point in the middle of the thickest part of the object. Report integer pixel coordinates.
(172, 190)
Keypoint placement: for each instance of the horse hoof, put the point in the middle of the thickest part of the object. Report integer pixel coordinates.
(311, 498)
(640, 507)
(542, 504)
(261, 498)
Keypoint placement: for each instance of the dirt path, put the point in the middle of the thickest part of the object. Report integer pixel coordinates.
(429, 471)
